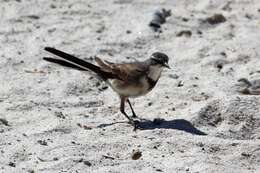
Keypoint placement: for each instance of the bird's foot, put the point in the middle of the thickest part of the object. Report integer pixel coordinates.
(135, 124)
(134, 115)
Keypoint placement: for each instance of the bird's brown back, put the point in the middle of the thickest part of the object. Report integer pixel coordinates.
(127, 71)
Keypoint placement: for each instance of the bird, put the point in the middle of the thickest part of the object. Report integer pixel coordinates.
(128, 80)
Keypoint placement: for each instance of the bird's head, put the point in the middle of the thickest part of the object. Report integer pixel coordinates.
(160, 59)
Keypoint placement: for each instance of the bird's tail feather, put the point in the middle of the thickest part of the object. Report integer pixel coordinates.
(64, 63)
(74, 62)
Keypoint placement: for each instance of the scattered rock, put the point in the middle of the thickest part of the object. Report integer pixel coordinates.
(219, 64)
(215, 19)
(185, 19)
(249, 87)
(59, 115)
(12, 164)
(159, 17)
(200, 97)
(52, 30)
(199, 32)
(185, 33)
(79, 160)
(234, 144)
(223, 54)
(87, 163)
(173, 76)
(102, 87)
(248, 16)
(53, 6)
(34, 71)
(108, 157)
(180, 84)
(4, 122)
(84, 126)
(158, 170)
(245, 154)
(42, 142)
(55, 158)
(253, 72)
(136, 155)
(101, 29)
(35, 17)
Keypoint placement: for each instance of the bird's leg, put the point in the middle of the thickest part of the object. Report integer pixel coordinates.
(133, 112)
(122, 109)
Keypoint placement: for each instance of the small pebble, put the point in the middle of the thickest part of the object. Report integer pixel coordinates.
(245, 154)
(180, 84)
(158, 170)
(174, 76)
(136, 155)
(12, 164)
(87, 163)
(4, 122)
(42, 142)
(55, 158)
(215, 19)
(185, 19)
(185, 33)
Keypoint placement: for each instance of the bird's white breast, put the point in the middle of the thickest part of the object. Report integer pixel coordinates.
(155, 72)
(130, 89)
(137, 88)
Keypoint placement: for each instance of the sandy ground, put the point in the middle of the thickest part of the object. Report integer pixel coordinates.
(54, 119)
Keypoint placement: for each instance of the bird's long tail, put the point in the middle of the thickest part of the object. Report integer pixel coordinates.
(76, 63)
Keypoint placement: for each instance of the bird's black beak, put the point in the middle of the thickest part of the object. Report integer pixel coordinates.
(166, 65)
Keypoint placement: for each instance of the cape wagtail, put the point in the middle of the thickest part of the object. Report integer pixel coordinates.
(128, 80)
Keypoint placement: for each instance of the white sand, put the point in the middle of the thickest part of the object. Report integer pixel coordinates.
(45, 108)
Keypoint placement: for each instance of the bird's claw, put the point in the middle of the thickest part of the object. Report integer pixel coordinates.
(135, 116)
(135, 124)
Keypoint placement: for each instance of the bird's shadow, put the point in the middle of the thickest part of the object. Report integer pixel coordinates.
(177, 124)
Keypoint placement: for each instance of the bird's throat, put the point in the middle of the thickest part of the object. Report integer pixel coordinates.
(155, 72)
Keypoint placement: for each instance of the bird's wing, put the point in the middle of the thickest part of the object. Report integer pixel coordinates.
(105, 66)
(130, 71)
(126, 71)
